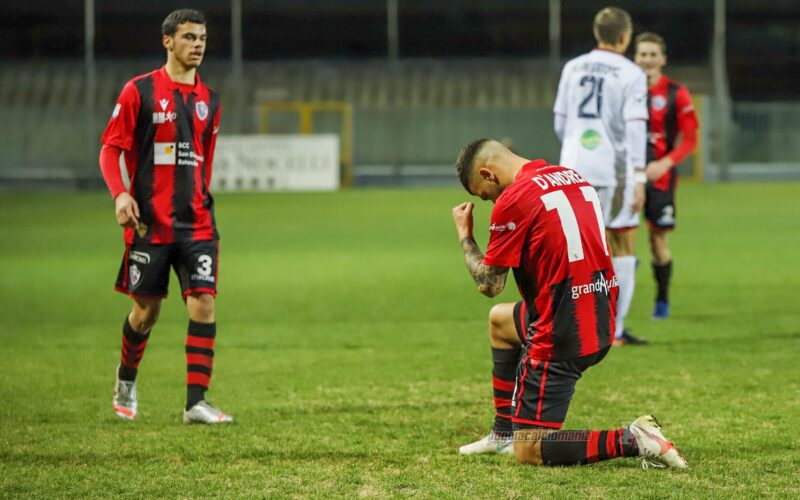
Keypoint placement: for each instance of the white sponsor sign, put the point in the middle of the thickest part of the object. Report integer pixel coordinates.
(164, 153)
(276, 163)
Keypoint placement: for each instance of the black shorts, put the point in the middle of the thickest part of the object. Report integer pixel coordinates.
(544, 388)
(659, 207)
(145, 268)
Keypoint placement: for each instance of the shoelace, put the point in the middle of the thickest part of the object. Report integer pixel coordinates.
(647, 464)
(126, 388)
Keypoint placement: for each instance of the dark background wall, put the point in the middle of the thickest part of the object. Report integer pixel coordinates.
(763, 43)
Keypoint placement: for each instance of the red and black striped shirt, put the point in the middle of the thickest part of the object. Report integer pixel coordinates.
(548, 227)
(168, 132)
(671, 113)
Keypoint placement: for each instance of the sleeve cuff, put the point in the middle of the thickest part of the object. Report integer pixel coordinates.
(488, 261)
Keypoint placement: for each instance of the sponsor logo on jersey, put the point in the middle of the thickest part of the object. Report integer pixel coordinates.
(201, 108)
(599, 285)
(164, 153)
(115, 113)
(163, 103)
(202, 277)
(135, 275)
(658, 102)
(164, 116)
(499, 228)
(187, 157)
(140, 257)
(591, 139)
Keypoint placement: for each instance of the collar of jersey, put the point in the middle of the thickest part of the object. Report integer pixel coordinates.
(531, 165)
(662, 82)
(609, 51)
(175, 85)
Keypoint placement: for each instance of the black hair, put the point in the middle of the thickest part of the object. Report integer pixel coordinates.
(465, 163)
(181, 16)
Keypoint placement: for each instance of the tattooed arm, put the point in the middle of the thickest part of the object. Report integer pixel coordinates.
(490, 280)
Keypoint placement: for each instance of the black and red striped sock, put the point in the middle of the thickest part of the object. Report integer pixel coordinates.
(587, 447)
(199, 360)
(504, 376)
(133, 344)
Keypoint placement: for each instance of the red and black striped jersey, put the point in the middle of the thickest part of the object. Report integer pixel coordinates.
(168, 132)
(671, 112)
(547, 225)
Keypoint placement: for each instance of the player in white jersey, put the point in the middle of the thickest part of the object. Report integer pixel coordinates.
(601, 119)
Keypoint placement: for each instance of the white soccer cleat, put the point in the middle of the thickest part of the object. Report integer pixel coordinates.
(493, 443)
(204, 413)
(125, 403)
(654, 449)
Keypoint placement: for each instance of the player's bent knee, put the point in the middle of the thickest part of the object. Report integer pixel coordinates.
(501, 324)
(201, 307)
(527, 450)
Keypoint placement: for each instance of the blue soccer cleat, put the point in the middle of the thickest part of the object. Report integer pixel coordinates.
(661, 310)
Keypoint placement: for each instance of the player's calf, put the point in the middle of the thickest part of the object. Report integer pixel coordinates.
(538, 446)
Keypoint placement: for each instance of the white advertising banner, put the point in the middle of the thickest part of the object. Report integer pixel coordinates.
(276, 163)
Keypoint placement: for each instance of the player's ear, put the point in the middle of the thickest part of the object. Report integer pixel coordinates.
(487, 174)
(167, 42)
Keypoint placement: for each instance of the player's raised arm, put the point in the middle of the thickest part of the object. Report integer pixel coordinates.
(491, 280)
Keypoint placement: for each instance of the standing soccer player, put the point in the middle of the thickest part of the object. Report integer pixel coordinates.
(165, 124)
(601, 120)
(671, 114)
(547, 225)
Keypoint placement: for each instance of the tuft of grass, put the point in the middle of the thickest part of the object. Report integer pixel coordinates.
(353, 353)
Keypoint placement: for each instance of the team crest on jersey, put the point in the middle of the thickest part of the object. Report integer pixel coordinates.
(201, 108)
(658, 102)
(135, 275)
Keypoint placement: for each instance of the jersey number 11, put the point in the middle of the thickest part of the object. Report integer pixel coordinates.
(569, 224)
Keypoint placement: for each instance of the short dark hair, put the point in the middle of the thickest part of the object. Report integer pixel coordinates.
(649, 36)
(181, 16)
(610, 23)
(465, 163)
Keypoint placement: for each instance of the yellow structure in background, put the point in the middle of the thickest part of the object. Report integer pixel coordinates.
(306, 111)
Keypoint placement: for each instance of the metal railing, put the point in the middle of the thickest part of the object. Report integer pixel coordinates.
(415, 115)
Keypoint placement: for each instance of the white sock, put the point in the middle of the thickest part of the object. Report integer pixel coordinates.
(625, 268)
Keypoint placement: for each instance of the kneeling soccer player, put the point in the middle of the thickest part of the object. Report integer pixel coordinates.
(546, 225)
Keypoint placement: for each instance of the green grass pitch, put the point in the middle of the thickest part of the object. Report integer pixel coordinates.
(353, 353)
